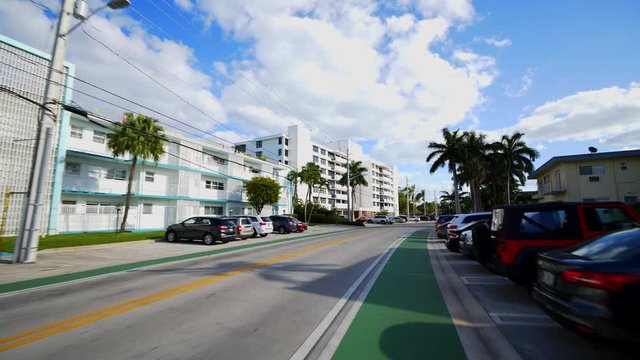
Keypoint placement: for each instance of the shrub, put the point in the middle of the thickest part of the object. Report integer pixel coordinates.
(354, 223)
(320, 219)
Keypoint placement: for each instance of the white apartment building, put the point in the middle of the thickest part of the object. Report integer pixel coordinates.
(296, 148)
(183, 183)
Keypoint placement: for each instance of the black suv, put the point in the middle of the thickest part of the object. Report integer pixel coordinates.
(206, 228)
(283, 224)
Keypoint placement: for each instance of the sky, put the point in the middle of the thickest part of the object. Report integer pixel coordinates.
(388, 74)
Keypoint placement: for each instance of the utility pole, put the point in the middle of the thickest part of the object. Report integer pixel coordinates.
(435, 202)
(348, 191)
(27, 241)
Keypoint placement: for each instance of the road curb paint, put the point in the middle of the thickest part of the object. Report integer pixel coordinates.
(18, 286)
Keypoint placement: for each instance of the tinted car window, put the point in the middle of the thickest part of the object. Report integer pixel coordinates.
(607, 219)
(473, 218)
(540, 222)
(616, 246)
(228, 223)
(246, 221)
(189, 221)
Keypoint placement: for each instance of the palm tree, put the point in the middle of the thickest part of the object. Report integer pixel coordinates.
(518, 159)
(422, 196)
(449, 154)
(409, 192)
(356, 178)
(311, 176)
(142, 138)
(473, 168)
(294, 176)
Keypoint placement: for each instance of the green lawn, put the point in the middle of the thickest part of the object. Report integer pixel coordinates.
(66, 240)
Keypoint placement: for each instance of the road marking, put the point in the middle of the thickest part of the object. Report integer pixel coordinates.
(509, 319)
(485, 280)
(307, 346)
(91, 317)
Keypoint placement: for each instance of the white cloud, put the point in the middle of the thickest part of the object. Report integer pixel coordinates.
(451, 10)
(184, 4)
(499, 43)
(609, 115)
(517, 89)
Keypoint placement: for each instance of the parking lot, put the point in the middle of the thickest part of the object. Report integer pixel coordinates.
(529, 330)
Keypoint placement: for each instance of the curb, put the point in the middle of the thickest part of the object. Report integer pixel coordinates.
(20, 286)
(479, 335)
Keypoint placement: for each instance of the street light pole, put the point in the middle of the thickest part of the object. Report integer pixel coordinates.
(349, 218)
(27, 241)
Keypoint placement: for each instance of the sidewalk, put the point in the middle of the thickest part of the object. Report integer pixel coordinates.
(68, 264)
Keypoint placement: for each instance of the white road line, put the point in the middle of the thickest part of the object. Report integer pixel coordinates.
(515, 319)
(307, 346)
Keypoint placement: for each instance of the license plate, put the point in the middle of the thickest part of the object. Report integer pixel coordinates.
(547, 278)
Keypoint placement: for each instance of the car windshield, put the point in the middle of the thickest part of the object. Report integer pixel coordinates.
(616, 246)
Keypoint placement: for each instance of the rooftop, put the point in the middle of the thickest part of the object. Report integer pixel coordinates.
(581, 157)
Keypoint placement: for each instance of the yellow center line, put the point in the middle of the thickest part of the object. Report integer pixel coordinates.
(77, 321)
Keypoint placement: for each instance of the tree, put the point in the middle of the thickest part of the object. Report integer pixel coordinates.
(473, 168)
(294, 176)
(422, 196)
(262, 191)
(311, 176)
(357, 178)
(449, 153)
(517, 157)
(142, 138)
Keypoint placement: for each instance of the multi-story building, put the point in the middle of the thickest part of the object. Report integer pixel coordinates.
(23, 73)
(607, 176)
(191, 178)
(297, 148)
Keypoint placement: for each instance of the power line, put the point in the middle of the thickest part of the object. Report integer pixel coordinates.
(167, 14)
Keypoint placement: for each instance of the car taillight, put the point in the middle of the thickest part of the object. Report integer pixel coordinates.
(263, 223)
(604, 281)
(452, 227)
(222, 227)
(453, 235)
(239, 227)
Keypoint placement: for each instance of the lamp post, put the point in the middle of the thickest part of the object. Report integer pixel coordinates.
(118, 208)
(27, 242)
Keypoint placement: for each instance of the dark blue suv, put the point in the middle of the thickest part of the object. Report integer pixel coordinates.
(283, 224)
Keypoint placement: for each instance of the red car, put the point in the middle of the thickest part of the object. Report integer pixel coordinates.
(301, 226)
(362, 219)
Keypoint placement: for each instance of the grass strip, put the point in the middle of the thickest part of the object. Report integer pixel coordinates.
(82, 239)
(404, 315)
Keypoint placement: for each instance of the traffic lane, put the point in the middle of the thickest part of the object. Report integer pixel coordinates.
(529, 330)
(265, 313)
(97, 293)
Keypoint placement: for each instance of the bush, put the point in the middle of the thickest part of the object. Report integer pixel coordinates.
(320, 219)
(354, 223)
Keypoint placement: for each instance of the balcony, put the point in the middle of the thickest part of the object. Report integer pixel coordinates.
(549, 189)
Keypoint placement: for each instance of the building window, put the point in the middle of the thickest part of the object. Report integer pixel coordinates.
(592, 170)
(149, 176)
(286, 162)
(316, 159)
(631, 199)
(323, 161)
(286, 152)
(258, 153)
(623, 166)
(99, 136)
(279, 141)
(558, 181)
(68, 202)
(315, 149)
(213, 210)
(115, 174)
(323, 152)
(147, 209)
(279, 152)
(76, 132)
(213, 185)
(71, 168)
(258, 144)
(212, 159)
(594, 178)
(286, 141)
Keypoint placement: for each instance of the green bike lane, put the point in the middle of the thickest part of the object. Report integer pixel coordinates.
(404, 316)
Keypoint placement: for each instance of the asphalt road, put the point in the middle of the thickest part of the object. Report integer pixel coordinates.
(261, 303)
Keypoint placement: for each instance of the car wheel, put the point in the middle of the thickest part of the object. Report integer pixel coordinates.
(263, 235)
(370, 221)
(171, 236)
(208, 239)
(282, 230)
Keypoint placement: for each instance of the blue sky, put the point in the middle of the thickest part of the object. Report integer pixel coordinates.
(390, 74)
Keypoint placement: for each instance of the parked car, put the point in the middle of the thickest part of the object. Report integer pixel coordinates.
(441, 225)
(262, 225)
(465, 242)
(594, 288)
(244, 225)
(455, 226)
(399, 220)
(414, 218)
(301, 226)
(404, 217)
(520, 232)
(425, 218)
(283, 224)
(205, 228)
(362, 219)
(381, 219)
